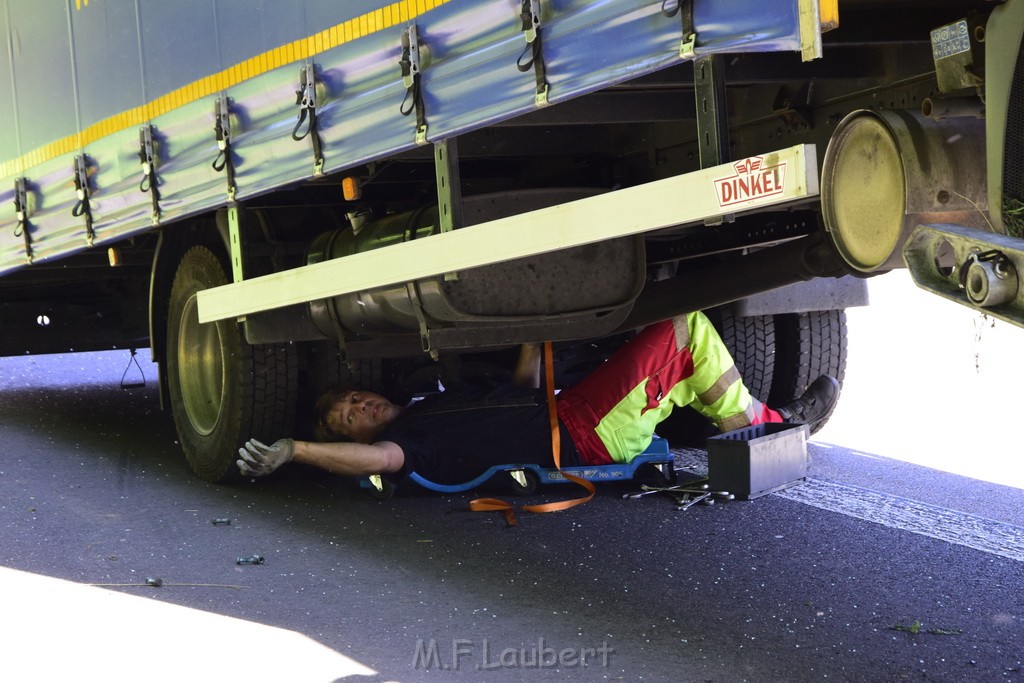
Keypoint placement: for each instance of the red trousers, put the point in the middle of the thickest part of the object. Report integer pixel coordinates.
(683, 361)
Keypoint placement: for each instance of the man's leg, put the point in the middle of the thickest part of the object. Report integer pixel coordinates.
(721, 395)
(612, 414)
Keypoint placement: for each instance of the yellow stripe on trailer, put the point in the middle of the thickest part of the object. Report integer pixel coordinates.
(304, 48)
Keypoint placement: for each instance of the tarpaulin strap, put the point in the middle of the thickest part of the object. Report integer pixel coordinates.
(410, 65)
(82, 208)
(684, 8)
(498, 505)
(305, 97)
(222, 128)
(22, 228)
(415, 94)
(530, 15)
(147, 157)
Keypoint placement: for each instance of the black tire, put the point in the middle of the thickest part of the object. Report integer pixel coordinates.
(321, 368)
(808, 345)
(326, 368)
(751, 341)
(362, 374)
(223, 390)
(527, 489)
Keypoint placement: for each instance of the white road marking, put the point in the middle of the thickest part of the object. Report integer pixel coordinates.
(896, 512)
(978, 533)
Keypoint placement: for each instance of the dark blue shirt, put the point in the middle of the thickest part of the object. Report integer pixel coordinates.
(456, 435)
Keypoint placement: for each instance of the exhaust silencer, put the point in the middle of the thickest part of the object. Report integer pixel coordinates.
(887, 172)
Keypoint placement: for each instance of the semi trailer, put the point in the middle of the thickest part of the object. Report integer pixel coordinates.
(277, 196)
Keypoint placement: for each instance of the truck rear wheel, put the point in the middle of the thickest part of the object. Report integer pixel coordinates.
(808, 345)
(751, 340)
(223, 390)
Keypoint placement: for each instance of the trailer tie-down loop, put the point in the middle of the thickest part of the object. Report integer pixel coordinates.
(224, 160)
(137, 384)
(498, 505)
(411, 73)
(147, 157)
(670, 8)
(530, 15)
(22, 229)
(305, 98)
(82, 207)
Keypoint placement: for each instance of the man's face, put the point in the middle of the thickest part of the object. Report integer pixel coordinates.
(361, 415)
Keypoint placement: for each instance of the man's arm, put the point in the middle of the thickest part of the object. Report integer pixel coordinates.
(527, 372)
(351, 459)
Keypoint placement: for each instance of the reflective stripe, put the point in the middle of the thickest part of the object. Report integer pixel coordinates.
(744, 419)
(612, 414)
(713, 366)
(721, 385)
(711, 358)
(682, 330)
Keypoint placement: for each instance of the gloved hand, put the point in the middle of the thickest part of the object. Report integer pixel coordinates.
(259, 459)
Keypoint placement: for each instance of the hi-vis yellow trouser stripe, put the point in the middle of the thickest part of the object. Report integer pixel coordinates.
(386, 17)
(715, 389)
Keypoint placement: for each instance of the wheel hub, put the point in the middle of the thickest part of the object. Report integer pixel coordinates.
(201, 366)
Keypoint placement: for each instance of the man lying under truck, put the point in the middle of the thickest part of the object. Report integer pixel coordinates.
(609, 417)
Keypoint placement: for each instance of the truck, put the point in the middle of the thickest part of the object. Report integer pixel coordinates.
(278, 196)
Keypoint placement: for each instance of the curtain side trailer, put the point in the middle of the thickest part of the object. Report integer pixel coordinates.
(276, 197)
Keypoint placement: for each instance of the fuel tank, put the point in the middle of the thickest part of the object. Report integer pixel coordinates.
(563, 294)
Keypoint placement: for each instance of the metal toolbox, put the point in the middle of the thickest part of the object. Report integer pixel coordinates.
(755, 461)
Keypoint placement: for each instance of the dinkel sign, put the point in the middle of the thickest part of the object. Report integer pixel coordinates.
(752, 180)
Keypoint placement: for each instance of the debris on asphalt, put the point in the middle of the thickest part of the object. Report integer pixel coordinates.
(918, 627)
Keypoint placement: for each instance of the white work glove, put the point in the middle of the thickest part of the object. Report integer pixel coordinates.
(258, 459)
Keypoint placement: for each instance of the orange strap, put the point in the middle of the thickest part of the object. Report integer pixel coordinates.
(496, 504)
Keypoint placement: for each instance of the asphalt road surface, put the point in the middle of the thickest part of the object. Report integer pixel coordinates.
(875, 570)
